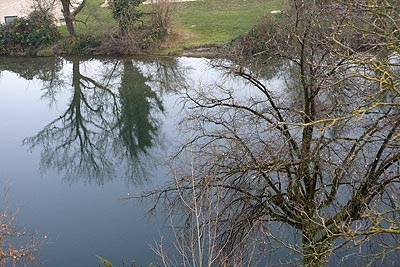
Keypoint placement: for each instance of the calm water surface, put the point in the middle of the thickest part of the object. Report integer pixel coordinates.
(76, 138)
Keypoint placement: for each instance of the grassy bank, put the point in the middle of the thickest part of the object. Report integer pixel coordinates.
(93, 20)
(208, 22)
(195, 24)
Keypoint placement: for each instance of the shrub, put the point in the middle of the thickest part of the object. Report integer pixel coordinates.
(27, 35)
(126, 13)
(140, 41)
(79, 44)
(255, 41)
(161, 11)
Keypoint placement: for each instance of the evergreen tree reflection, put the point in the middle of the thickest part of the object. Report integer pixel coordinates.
(138, 126)
(110, 124)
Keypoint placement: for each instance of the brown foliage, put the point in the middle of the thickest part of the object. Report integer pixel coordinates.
(16, 248)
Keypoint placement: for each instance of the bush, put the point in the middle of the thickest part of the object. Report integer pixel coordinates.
(80, 44)
(255, 41)
(126, 13)
(161, 11)
(27, 35)
(140, 41)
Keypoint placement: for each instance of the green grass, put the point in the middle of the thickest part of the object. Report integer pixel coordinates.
(93, 20)
(200, 23)
(208, 22)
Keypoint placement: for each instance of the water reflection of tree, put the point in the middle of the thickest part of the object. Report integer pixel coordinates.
(322, 160)
(169, 75)
(137, 122)
(106, 124)
(137, 125)
(27, 68)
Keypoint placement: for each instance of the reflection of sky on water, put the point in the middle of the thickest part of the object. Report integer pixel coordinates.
(83, 220)
(80, 220)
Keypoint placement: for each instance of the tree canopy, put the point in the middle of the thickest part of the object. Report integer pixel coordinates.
(319, 154)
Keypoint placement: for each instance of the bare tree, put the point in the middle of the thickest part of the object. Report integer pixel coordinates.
(43, 6)
(70, 9)
(197, 242)
(319, 155)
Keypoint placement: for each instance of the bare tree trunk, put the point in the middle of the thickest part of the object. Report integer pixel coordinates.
(69, 22)
(69, 16)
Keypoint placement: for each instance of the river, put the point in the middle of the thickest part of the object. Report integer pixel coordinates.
(80, 137)
(71, 152)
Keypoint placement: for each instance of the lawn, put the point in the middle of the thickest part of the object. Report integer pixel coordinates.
(93, 20)
(207, 22)
(199, 23)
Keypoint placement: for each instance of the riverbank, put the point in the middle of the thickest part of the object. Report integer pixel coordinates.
(197, 28)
